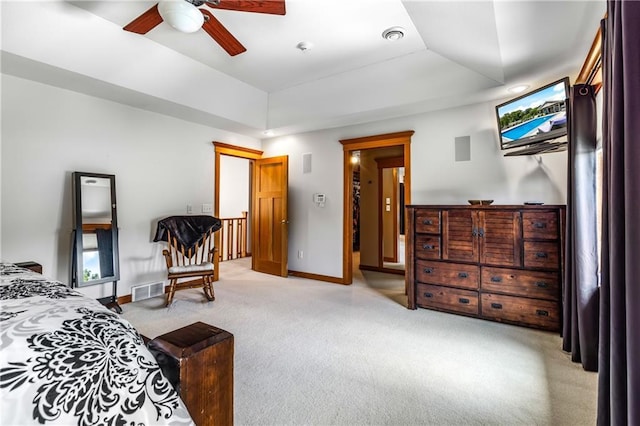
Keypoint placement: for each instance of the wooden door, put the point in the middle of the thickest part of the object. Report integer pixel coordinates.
(459, 240)
(269, 218)
(500, 236)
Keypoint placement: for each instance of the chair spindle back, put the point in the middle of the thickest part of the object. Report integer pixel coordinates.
(193, 256)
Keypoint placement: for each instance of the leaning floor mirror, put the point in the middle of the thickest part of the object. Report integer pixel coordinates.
(95, 233)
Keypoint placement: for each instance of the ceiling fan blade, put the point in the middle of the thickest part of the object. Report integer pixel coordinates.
(273, 7)
(145, 22)
(221, 35)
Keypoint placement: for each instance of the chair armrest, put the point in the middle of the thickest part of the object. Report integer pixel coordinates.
(167, 258)
(212, 254)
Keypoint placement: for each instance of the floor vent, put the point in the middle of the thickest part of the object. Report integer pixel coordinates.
(145, 291)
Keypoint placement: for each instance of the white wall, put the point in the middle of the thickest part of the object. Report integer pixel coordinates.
(234, 186)
(435, 177)
(161, 164)
(314, 230)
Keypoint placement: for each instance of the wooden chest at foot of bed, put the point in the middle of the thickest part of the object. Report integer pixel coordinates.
(185, 355)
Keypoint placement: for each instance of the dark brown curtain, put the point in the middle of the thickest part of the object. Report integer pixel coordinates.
(580, 308)
(619, 365)
(105, 251)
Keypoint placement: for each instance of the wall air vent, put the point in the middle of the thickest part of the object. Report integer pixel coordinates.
(146, 291)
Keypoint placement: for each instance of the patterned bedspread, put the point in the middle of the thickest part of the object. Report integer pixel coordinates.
(67, 360)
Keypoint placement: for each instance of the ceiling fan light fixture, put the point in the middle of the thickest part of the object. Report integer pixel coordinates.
(181, 15)
(393, 33)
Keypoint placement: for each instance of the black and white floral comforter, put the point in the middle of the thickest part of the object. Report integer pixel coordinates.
(67, 360)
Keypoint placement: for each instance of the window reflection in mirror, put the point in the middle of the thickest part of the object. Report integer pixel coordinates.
(95, 229)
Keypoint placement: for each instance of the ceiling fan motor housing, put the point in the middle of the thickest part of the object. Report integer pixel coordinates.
(199, 3)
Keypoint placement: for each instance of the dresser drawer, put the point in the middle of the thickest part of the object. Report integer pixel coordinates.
(450, 274)
(541, 285)
(533, 312)
(447, 298)
(540, 225)
(428, 221)
(427, 246)
(539, 254)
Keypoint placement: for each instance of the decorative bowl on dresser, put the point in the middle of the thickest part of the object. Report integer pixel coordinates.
(501, 263)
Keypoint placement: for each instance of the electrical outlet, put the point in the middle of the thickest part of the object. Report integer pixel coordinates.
(300, 254)
(207, 208)
(189, 209)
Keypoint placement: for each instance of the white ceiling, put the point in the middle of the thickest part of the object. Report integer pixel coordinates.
(454, 52)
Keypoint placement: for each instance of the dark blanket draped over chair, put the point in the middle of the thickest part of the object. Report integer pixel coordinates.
(580, 309)
(188, 230)
(619, 356)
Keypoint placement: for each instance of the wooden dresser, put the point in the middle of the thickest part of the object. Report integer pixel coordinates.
(501, 263)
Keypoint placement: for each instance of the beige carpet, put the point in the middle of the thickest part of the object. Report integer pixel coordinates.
(314, 353)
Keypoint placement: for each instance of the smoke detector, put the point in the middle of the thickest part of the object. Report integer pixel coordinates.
(303, 46)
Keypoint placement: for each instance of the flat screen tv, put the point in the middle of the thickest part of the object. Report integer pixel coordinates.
(536, 118)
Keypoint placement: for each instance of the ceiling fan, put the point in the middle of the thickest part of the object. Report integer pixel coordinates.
(188, 16)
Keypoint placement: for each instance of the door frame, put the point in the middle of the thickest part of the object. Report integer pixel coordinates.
(402, 139)
(220, 149)
(387, 163)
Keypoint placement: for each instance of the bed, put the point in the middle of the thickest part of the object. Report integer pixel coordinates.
(66, 359)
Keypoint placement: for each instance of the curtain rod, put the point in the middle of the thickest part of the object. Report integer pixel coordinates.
(590, 72)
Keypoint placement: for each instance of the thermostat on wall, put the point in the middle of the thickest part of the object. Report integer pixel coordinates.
(319, 199)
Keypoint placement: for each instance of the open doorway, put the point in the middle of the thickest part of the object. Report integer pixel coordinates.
(266, 220)
(234, 208)
(234, 167)
(377, 225)
(367, 149)
(391, 214)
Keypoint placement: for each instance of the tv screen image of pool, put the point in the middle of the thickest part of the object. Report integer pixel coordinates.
(537, 116)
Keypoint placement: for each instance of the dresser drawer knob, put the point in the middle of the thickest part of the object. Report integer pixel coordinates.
(427, 222)
(428, 270)
(541, 255)
(496, 279)
(463, 275)
(428, 295)
(496, 305)
(428, 246)
(541, 284)
(542, 313)
(539, 225)
(463, 300)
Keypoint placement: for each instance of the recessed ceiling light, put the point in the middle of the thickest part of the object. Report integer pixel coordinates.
(518, 89)
(393, 33)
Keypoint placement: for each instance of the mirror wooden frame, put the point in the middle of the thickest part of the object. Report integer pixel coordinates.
(81, 226)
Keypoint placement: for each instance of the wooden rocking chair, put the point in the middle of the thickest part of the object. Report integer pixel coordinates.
(199, 263)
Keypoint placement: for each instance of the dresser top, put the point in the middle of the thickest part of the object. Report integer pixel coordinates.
(489, 207)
